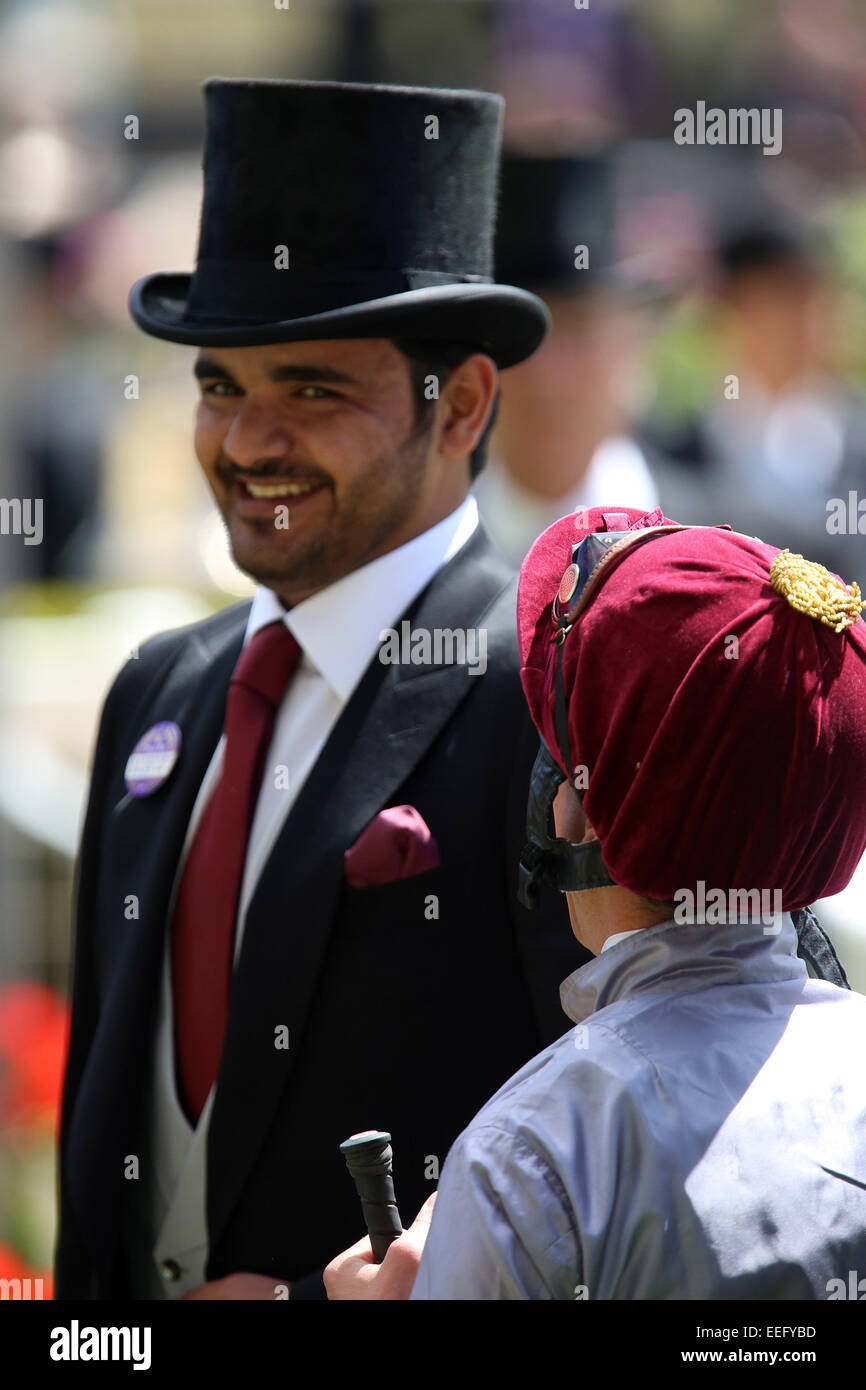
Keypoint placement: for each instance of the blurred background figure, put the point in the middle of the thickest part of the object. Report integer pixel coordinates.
(562, 436)
(784, 438)
(60, 418)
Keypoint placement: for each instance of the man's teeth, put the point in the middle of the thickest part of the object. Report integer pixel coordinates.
(279, 489)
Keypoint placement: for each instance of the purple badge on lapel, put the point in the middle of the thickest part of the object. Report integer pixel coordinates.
(152, 759)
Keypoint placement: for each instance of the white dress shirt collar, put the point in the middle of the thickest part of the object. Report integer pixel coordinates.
(338, 629)
(617, 937)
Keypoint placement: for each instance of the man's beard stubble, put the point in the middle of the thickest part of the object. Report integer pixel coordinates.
(373, 507)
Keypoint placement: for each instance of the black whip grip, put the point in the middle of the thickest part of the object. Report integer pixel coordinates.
(368, 1158)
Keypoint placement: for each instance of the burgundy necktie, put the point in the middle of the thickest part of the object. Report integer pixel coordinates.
(207, 898)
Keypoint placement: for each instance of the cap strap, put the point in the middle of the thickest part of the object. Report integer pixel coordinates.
(561, 713)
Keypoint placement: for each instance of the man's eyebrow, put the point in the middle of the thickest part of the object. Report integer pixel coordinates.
(209, 368)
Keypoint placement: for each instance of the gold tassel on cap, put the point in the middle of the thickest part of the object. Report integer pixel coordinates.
(812, 589)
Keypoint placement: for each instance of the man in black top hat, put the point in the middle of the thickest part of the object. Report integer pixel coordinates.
(296, 892)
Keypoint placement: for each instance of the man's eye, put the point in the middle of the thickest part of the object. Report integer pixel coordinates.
(217, 388)
(319, 392)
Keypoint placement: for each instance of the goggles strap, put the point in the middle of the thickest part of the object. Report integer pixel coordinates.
(565, 867)
(561, 713)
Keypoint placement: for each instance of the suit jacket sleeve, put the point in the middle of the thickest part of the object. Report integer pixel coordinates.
(73, 1270)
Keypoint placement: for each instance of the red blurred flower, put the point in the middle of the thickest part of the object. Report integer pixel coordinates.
(33, 1029)
(11, 1264)
(13, 1267)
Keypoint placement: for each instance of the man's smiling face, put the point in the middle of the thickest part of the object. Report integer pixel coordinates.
(325, 429)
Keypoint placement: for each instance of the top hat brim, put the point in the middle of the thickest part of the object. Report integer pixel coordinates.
(505, 322)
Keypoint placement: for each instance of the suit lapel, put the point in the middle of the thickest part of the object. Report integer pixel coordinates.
(153, 828)
(386, 728)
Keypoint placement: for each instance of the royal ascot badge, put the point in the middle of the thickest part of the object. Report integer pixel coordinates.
(152, 759)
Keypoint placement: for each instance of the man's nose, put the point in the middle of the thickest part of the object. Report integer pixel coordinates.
(256, 434)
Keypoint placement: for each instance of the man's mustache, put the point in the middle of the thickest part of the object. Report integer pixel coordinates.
(230, 473)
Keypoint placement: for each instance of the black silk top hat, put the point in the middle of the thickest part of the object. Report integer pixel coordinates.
(341, 210)
(549, 206)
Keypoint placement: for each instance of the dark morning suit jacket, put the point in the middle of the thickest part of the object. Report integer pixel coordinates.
(391, 1013)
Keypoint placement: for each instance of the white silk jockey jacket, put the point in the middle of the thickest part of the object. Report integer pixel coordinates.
(700, 1134)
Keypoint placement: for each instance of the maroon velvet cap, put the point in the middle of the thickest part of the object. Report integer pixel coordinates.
(722, 729)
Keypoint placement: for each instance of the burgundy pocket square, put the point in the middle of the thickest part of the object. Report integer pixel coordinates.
(396, 844)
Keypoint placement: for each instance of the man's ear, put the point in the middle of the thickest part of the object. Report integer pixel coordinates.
(466, 401)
